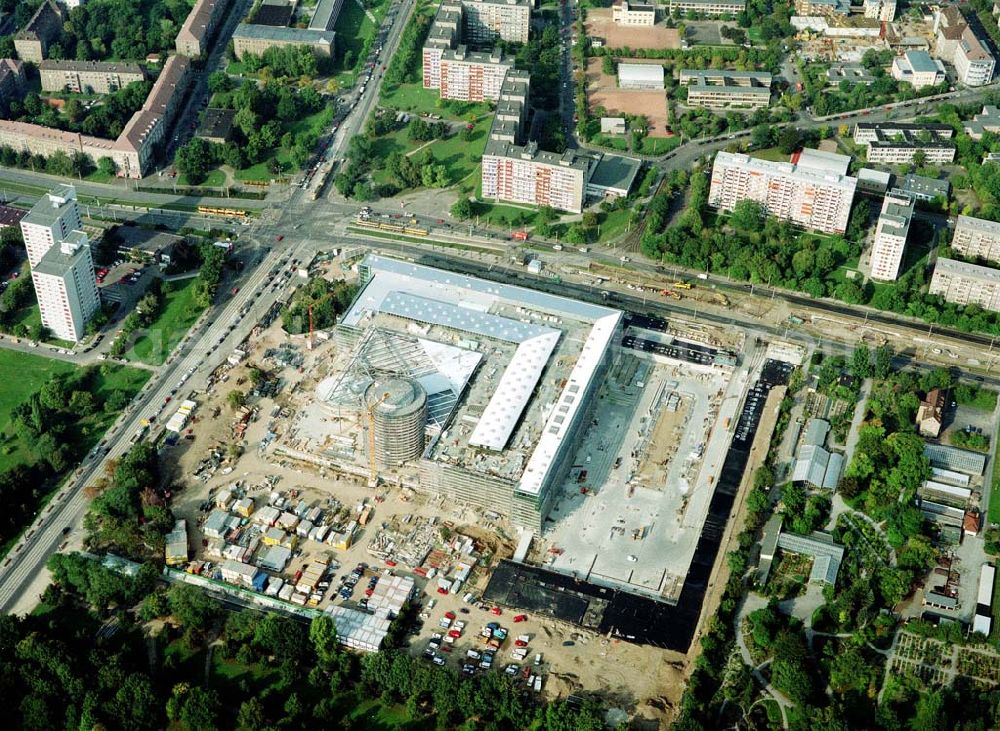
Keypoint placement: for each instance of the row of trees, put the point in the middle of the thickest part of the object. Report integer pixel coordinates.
(58, 163)
(283, 61)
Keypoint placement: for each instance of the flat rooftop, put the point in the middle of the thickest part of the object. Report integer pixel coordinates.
(564, 338)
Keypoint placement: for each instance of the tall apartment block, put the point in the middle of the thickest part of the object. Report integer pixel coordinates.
(65, 287)
(976, 238)
(880, 10)
(49, 221)
(890, 236)
(465, 75)
(811, 196)
(519, 173)
(966, 284)
(472, 77)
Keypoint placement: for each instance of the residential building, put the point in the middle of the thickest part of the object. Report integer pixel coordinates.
(49, 221)
(633, 14)
(810, 197)
(822, 8)
(723, 89)
(924, 189)
(706, 7)
(199, 26)
(133, 151)
(918, 69)
(458, 24)
(894, 143)
(890, 236)
(852, 73)
(958, 44)
(966, 284)
(930, 413)
(525, 174)
(884, 10)
(977, 238)
(32, 43)
(65, 287)
(88, 77)
(472, 77)
(949, 24)
(256, 39)
(974, 64)
(326, 14)
(987, 120)
(640, 76)
(11, 80)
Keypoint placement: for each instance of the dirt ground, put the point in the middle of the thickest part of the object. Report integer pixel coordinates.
(599, 24)
(603, 92)
(590, 663)
(669, 430)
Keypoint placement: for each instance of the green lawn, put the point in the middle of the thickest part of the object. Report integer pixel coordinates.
(658, 145)
(501, 214)
(612, 225)
(353, 28)
(178, 315)
(770, 153)
(418, 100)
(994, 508)
(610, 142)
(21, 375)
(460, 157)
(215, 179)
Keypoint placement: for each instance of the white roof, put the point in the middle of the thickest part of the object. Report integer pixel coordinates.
(513, 392)
(357, 629)
(824, 161)
(982, 624)
(569, 403)
(641, 72)
(962, 493)
(987, 577)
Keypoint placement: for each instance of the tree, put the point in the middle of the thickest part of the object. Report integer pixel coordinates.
(861, 361)
(200, 710)
(462, 210)
(236, 399)
(789, 139)
(193, 608)
(107, 166)
(323, 635)
(194, 160)
(589, 219)
(219, 82)
(883, 361)
(747, 215)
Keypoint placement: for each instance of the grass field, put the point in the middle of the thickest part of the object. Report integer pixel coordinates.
(612, 143)
(658, 145)
(178, 314)
(416, 99)
(612, 225)
(21, 374)
(460, 157)
(770, 153)
(215, 179)
(354, 27)
(994, 507)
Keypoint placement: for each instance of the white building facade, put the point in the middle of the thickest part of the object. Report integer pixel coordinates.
(890, 236)
(65, 287)
(810, 197)
(49, 221)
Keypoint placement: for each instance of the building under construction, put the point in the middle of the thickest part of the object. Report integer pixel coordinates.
(458, 386)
